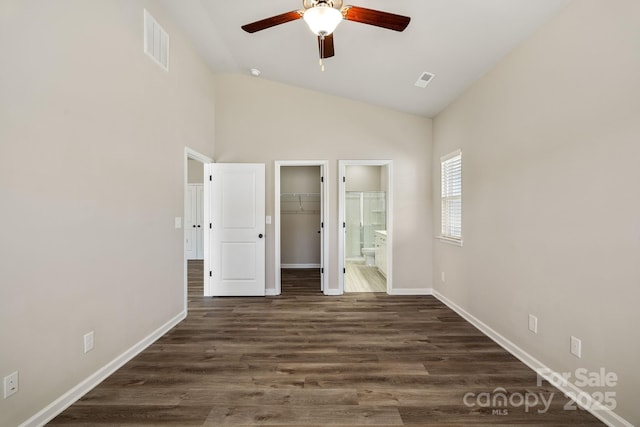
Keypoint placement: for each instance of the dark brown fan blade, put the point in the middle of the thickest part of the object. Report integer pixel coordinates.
(272, 22)
(375, 17)
(327, 51)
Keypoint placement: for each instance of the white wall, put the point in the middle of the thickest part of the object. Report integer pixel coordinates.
(299, 237)
(88, 239)
(551, 206)
(262, 121)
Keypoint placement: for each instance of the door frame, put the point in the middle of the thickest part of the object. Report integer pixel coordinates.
(342, 168)
(324, 218)
(192, 154)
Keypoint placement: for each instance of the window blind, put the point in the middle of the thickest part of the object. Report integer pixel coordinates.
(452, 196)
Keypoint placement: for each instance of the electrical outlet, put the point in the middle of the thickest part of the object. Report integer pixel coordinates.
(533, 323)
(10, 384)
(576, 347)
(88, 342)
(442, 276)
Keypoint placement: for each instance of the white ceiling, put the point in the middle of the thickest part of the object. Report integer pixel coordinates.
(457, 40)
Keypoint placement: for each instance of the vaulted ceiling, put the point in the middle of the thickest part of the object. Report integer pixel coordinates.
(457, 40)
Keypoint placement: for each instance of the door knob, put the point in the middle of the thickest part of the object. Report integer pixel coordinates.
(194, 226)
(198, 225)
(260, 235)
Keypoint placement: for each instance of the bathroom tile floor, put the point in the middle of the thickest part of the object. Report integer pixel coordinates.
(363, 278)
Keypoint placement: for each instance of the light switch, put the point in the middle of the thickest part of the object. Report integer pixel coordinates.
(178, 222)
(267, 220)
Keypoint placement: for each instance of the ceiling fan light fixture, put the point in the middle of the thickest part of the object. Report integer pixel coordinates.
(322, 19)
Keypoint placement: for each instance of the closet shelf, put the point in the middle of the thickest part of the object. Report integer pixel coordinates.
(305, 197)
(300, 203)
(289, 212)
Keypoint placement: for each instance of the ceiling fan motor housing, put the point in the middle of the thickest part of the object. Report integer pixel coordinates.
(308, 4)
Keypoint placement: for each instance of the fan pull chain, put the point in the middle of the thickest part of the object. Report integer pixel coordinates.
(321, 52)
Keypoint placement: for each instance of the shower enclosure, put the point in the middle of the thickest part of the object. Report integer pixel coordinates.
(365, 212)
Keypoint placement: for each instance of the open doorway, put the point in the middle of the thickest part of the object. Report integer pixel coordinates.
(365, 212)
(194, 212)
(194, 251)
(300, 227)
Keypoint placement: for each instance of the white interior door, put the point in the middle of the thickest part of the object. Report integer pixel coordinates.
(322, 231)
(193, 222)
(235, 198)
(200, 225)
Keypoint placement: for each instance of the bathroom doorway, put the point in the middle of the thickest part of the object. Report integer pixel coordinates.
(365, 202)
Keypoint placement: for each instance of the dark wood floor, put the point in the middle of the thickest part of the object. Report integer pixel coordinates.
(306, 359)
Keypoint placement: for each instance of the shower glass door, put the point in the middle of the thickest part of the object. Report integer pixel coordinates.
(365, 213)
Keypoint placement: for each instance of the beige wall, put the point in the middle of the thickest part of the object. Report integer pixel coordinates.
(364, 178)
(299, 237)
(262, 121)
(300, 179)
(195, 172)
(551, 207)
(88, 240)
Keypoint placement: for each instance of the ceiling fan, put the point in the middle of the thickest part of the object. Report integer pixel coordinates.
(323, 17)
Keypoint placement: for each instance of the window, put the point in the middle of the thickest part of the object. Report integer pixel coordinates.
(451, 194)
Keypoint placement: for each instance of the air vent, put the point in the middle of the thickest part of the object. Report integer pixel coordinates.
(424, 79)
(156, 41)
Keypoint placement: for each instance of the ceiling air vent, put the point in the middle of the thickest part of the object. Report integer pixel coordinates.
(424, 79)
(156, 41)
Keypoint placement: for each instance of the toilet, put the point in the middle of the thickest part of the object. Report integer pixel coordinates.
(369, 256)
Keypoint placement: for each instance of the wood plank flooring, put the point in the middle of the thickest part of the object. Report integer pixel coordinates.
(304, 359)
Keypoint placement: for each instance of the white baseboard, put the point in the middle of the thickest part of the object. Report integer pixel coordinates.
(63, 402)
(411, 291)
(299, 265)
(403, 291)
(604, 414)
(271, 293)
